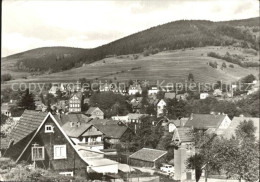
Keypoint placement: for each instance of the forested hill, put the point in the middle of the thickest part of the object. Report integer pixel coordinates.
(174, 35)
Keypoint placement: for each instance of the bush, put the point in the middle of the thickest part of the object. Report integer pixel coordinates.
(6, 77)
(231, 66)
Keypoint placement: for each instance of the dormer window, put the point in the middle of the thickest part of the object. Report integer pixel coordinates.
(49, 129)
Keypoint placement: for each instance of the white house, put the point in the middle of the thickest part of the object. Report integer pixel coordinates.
(160, 107)
(203, 95)
(153, 90)
(124, 119)
(134, 89)
(53, 90)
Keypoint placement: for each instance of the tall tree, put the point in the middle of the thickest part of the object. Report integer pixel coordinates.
(26, 100)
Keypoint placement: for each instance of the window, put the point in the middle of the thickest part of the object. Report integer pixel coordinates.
(49, 129)
(37, 153)
(60, 152)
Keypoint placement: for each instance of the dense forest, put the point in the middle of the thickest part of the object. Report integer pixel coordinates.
(174, 35)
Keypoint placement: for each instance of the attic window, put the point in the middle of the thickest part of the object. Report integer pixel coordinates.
(49, 129)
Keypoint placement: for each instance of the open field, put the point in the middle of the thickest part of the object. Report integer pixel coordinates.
(171, 66)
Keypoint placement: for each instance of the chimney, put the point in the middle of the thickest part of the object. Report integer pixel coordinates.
(78, 124)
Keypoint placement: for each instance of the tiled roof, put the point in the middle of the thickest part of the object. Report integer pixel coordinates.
(236, 121)
(110, 128)
(146, 154)
(65, 118)
(29, 122)
(184, 134)
(75, 131)
(205, 121)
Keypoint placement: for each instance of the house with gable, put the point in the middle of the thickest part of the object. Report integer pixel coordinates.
(84, 134)
(40, 140)
(230, 131)
(53, 90)
(161, 107)
(112, 131)
(134, 89)
(153, 90)
(95, 112)
(136, 104)
(75, 102)
(217, 123)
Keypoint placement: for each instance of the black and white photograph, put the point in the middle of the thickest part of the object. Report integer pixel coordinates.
(130, 91)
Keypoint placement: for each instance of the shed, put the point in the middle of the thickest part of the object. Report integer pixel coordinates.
(147, 157)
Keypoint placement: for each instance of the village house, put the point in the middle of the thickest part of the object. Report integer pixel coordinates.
(169, 124)
(75, 102)
(121, 118)
(84, 134)
(147, 157)
(217, 93)
(40, 140)
(204, 95)
(136, 104)
(135, 117)
(95, 112)
(112, 131)
(182, 138)
(53, 90)
(5, 109)
(217, 123)
(134, 89)
(230, 131)
(161, 107)
(153, 90)
(182, 96)
(169, 95)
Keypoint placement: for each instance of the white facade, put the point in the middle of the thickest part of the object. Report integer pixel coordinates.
(153, 91)
(160, 107)
(171, 127)
(120, 118)
(225, 123)
(204, 95)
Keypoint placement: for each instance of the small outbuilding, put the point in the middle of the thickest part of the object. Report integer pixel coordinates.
(147, 157)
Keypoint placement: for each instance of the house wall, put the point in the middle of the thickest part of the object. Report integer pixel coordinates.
(74, 104)
(225, 123)
(72, 162)
(140, 163)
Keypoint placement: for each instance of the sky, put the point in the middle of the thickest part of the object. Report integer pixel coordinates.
(29, 24)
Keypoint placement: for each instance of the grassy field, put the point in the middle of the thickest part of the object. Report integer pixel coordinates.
(171, 66)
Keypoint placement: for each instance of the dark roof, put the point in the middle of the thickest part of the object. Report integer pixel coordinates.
(205, 121)
(65, 118)
(29, 122)
(110, 128)
(184, 134)
(75, 130)
(147, 154)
